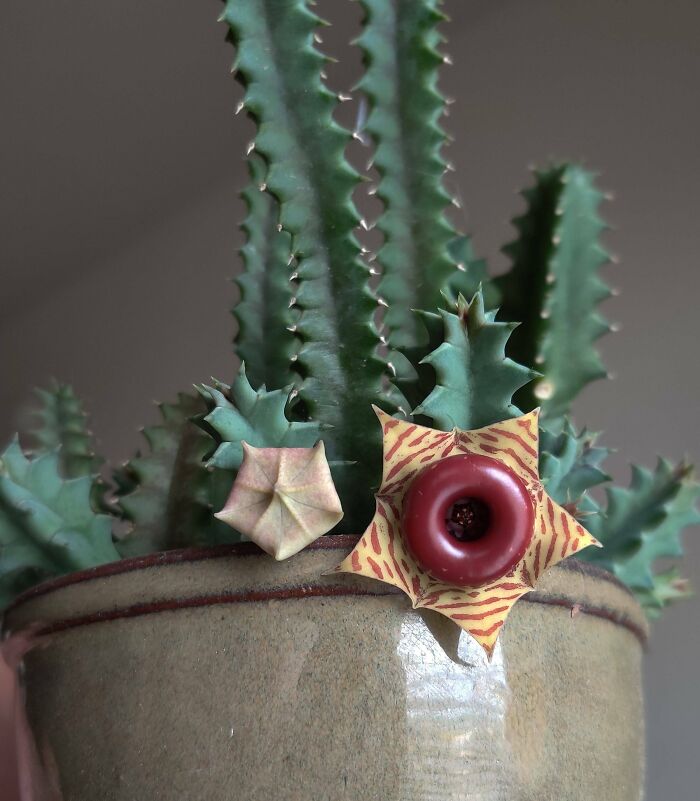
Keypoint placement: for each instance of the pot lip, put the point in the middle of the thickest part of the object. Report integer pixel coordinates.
(244, 549)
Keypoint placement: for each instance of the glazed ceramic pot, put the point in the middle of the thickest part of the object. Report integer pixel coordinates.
(222, 675)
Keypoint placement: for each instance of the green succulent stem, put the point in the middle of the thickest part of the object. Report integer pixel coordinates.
(239, 413)
(264, 340)
(47, 523)
(400, 43)
(63, 428)
(474, 380)
(554, 287)
(571, 464)
(304, 149)
(167, 493)
(643, 523)
(668, 587)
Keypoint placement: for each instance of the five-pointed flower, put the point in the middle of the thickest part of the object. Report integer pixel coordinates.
(413, 542)
(283, 498)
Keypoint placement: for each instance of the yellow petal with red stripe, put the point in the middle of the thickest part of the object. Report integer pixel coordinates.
(381, 554)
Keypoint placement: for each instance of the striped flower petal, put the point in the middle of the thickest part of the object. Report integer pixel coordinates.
(381, 553)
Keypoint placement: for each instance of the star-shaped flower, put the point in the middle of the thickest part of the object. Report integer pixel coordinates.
(398, 533)
(283, 498)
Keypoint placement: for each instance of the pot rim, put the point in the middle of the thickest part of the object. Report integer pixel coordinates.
(203, 553)
(632, 622)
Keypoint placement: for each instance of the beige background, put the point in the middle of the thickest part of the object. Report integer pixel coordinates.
(120, 164)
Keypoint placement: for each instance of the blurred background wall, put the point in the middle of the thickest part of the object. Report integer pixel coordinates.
(121, 162)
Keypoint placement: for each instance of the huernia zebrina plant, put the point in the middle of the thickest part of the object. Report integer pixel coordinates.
(333, 334)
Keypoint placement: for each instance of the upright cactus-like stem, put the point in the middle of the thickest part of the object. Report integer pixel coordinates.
(400, 45)
(264, 341)
(570, 466)
(63, 428)
(475, 382)
(168, 493)
(554, 287)
(304, 149)
(241, 413)
(642, 522)
(47, 524)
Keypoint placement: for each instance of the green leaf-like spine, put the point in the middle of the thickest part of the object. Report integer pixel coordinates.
(303, 147)
(400, 44)
(475, 381)
(554, 287)
(167, 493)
(47, 524)
(264, 340)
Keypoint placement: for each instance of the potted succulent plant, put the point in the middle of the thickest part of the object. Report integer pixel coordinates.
(398, 439)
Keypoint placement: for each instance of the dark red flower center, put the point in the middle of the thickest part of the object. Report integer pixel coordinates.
(468, 519)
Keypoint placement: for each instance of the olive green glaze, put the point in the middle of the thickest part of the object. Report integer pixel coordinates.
(327, 697)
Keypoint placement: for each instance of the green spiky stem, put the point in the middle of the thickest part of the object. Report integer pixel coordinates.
(241, 413)
(47, 524)
(63, 428)
(262, 419)
(167, 493)
(643, 523)
(554, 287)
(264, 340)
(308, 173)
(668, 587)
(400, 46)
(571, 466)
(475, 382)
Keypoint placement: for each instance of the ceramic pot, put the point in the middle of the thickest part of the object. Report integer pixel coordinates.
(222, 675)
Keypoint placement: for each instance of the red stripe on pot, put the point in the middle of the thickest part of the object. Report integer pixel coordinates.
(336, 542)
(299, 593)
